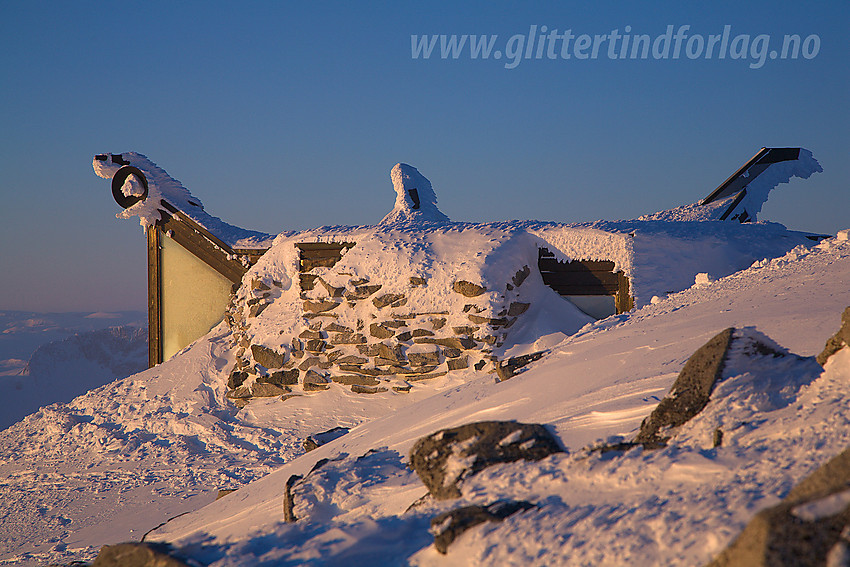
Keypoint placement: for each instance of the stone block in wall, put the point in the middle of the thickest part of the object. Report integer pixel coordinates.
(355, 379)
(280, 378)
(332, 291)
(335, 327)
(361, 292)
(387, 352)
(320, 306)
(450, 352)
(263, 390)
(358, 389)
(307, 281)
(236, 378)
(424, 358)
(438, 323)
(358, 369)
(417, 281)
(380, 331)
(368, 350)
(309, 334)
(419, 377)
(390, 299)
(402, 387)
(464, 330)
(458, 363)
(309, 362)
(315, 345)
(313, 381)
(451, 342)
(404, 337)
(348, 339)
(351, 359)
(267, 357)
(521, 275)
(517, 308)
(468, 289)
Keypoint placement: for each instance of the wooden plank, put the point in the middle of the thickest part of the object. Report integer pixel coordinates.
(321, 254)
(623, 301)
(154, 295)
(324, 245)
(550, 264)
(182, 231)
(581, 278)
(585, 290)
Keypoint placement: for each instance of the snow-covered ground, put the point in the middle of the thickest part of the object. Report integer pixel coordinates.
(118, 462)
(123, 458)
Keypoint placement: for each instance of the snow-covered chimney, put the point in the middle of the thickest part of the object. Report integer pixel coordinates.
(415, 198)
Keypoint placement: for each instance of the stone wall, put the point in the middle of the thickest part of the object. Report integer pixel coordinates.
(364, 338)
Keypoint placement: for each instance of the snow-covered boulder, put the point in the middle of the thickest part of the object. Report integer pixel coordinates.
(445, 458)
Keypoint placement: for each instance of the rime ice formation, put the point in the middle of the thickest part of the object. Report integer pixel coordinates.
(415, 198)
(756, 196)
(162, 186)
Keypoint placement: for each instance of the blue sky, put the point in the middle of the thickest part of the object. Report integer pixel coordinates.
(285, 116)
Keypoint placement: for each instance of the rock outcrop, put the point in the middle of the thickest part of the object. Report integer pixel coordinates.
(690, 392)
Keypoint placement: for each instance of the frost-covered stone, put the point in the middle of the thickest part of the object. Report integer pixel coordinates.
(267, 357)
(448, 526)
(839, 340)
(468, 289)
(690, 392)
(808, 527)
(443, 459)
(135, 554)
(318, 439)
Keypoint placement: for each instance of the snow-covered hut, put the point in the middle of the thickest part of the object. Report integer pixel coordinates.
(417, 296)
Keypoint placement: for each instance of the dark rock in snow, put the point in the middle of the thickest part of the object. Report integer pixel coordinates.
(837, 341)
(448, 526)
(520, 276)
(443, 459)
(690, 392)
(509, 368)
(809, 527)
(288, 502)
(319, 439)
(134, 554)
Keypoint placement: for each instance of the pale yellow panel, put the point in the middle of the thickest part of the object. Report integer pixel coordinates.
(194, 297)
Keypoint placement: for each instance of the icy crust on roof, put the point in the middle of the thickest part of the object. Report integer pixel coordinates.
(415, 199)
(757, 192)
(162, 186)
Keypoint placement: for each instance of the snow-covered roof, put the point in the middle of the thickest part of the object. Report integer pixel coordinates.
(161, 186)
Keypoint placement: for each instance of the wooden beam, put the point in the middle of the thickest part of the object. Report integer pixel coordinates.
(154, 296)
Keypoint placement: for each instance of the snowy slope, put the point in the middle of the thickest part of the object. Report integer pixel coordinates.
(121, 459)
(679, 505)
